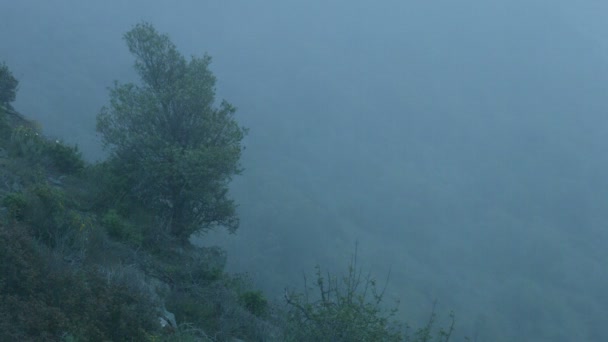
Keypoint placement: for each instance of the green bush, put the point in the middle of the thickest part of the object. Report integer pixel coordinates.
(25, 314)
(28, 143)
(46, 213)
(119, 229)
(25, 142)
(16, 204)
(5, 129)
(349, 309)
(102, 309)
(44, 299)
(108, 188)
(53, 220)
(344, 310)
(66, 159)
(8, 85)
(254, 302)
(20, 262)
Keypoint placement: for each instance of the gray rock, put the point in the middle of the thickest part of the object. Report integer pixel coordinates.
(167, 319)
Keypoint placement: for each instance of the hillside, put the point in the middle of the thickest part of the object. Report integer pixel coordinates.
(82, 259)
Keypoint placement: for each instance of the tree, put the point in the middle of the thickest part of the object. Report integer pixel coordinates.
(8, 85)
(178, 150)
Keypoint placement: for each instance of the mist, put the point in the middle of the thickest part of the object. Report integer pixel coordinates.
(460, 145)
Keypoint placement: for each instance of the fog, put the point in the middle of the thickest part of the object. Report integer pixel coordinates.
(462, 144)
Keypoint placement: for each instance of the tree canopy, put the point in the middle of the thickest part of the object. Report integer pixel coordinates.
(178, 149)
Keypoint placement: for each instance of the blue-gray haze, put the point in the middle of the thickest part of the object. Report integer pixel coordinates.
(462, 143)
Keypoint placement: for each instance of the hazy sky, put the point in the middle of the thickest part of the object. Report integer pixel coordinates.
(462, 143)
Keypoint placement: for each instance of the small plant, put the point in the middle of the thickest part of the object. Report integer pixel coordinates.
(254, 302)
(67, 159)
(349, 309)
(119, 229)
(26, 142)
(8, 85)
(16, 203)
(5, 129)
(53, 220)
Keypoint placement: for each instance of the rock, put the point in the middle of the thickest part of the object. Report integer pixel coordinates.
(56, 181)
(167, 320)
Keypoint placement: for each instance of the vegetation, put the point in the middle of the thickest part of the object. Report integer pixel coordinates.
(178, 151)
(8, 85)
(86, 255)
(5, 129)
(349, 309)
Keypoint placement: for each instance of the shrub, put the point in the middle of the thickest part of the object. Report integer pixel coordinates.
(344, 310)
(350, 309)
(25, 142)
(5, 129)
(254, 302)
(8, 85)
(66, 159)
(28, 143)
(24, 315)
(53, 221)
(44, 299)
(16, 204)
(46, 213)
(20, 263)
(119, 229)
(109, 188)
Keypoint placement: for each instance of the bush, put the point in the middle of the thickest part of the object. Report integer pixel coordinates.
(24, 314)
(349, 309)
(28, 143)
(20, 262)
(8, 85)
(66, 159)
(254, 302)
(105, 308)
(44, 299)
(119, 229)
(5, 129)
(53, 222)
(108, 189)
(25, 142)
(46, 213)
(16, 204)
(346, 310)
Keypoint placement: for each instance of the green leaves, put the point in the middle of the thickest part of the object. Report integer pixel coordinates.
(157, 60)
(178, 151)
(16, 204)
(343, 309)
(8, 85)
(254, 302)
(351, 308)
